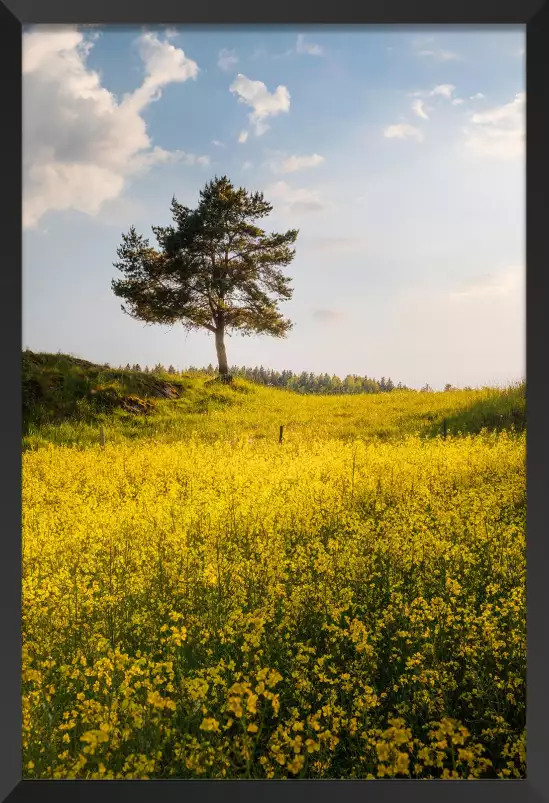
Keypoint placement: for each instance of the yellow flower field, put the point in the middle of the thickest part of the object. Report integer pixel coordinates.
(316, 609)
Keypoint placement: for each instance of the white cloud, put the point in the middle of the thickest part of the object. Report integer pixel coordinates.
(419, 110)
(217, 143)
(247, 166)
(242, 137)
(226, 59)
(403, 131)
(295, 200)
(508, 282)
(444, 90)
(164, 64)
(294, 163)
(93, 31)
(144, 161)
(304, 47)
(478, 96)
(457, 101)
(282, 163)
(264, 104)
(80, 143)
(499, 132)
(501, 114)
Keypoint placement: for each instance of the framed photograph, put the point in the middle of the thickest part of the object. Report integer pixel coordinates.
(269, 520)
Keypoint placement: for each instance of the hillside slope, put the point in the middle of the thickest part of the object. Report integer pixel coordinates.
(66, 400)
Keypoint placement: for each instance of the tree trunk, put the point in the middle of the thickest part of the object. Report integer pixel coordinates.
(221, 351)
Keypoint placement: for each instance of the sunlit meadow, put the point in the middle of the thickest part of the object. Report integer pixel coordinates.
(349, 603)
(229, 580)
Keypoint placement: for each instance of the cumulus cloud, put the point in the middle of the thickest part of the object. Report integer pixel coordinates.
(308, 48)
(242, 137)
(264, 104)
(282, 163)
(80, 144)
(499, 132)
(226, 59)
(418, 107)
(509, 282)
(294, 199)
(403, 131)
(164, 64)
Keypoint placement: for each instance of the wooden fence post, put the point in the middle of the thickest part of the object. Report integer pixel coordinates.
(281, 433)
(444, 428)
(102, 437)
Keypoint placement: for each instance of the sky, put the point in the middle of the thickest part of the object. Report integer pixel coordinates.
(398, 153)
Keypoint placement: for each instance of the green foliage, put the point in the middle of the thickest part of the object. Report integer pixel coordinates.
(308, 382)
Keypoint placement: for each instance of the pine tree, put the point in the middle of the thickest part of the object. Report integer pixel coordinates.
(215, 269)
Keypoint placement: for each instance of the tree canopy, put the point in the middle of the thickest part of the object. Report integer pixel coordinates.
(214, 268)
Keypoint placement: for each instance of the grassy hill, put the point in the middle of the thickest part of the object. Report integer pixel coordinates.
(67, 399)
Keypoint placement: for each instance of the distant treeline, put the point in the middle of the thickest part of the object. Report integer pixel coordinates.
(301, 383)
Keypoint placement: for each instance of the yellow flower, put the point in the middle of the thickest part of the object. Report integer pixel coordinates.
(382, 751)
(210, 724)
(402, 763)
(296, 764)
(358, 550)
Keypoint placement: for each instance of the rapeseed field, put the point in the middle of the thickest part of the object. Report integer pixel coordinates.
(336, 606)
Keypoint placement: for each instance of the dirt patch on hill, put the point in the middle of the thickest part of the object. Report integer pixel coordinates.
(133, 403)
(165, 390)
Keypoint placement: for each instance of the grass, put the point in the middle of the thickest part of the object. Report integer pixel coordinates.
(202, 602)
(76, 398)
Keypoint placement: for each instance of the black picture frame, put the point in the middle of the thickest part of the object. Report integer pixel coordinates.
(14, 14)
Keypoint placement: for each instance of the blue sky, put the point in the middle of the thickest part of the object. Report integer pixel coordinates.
(397, 152)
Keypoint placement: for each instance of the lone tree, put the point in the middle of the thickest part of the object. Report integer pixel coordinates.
(215, 269)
